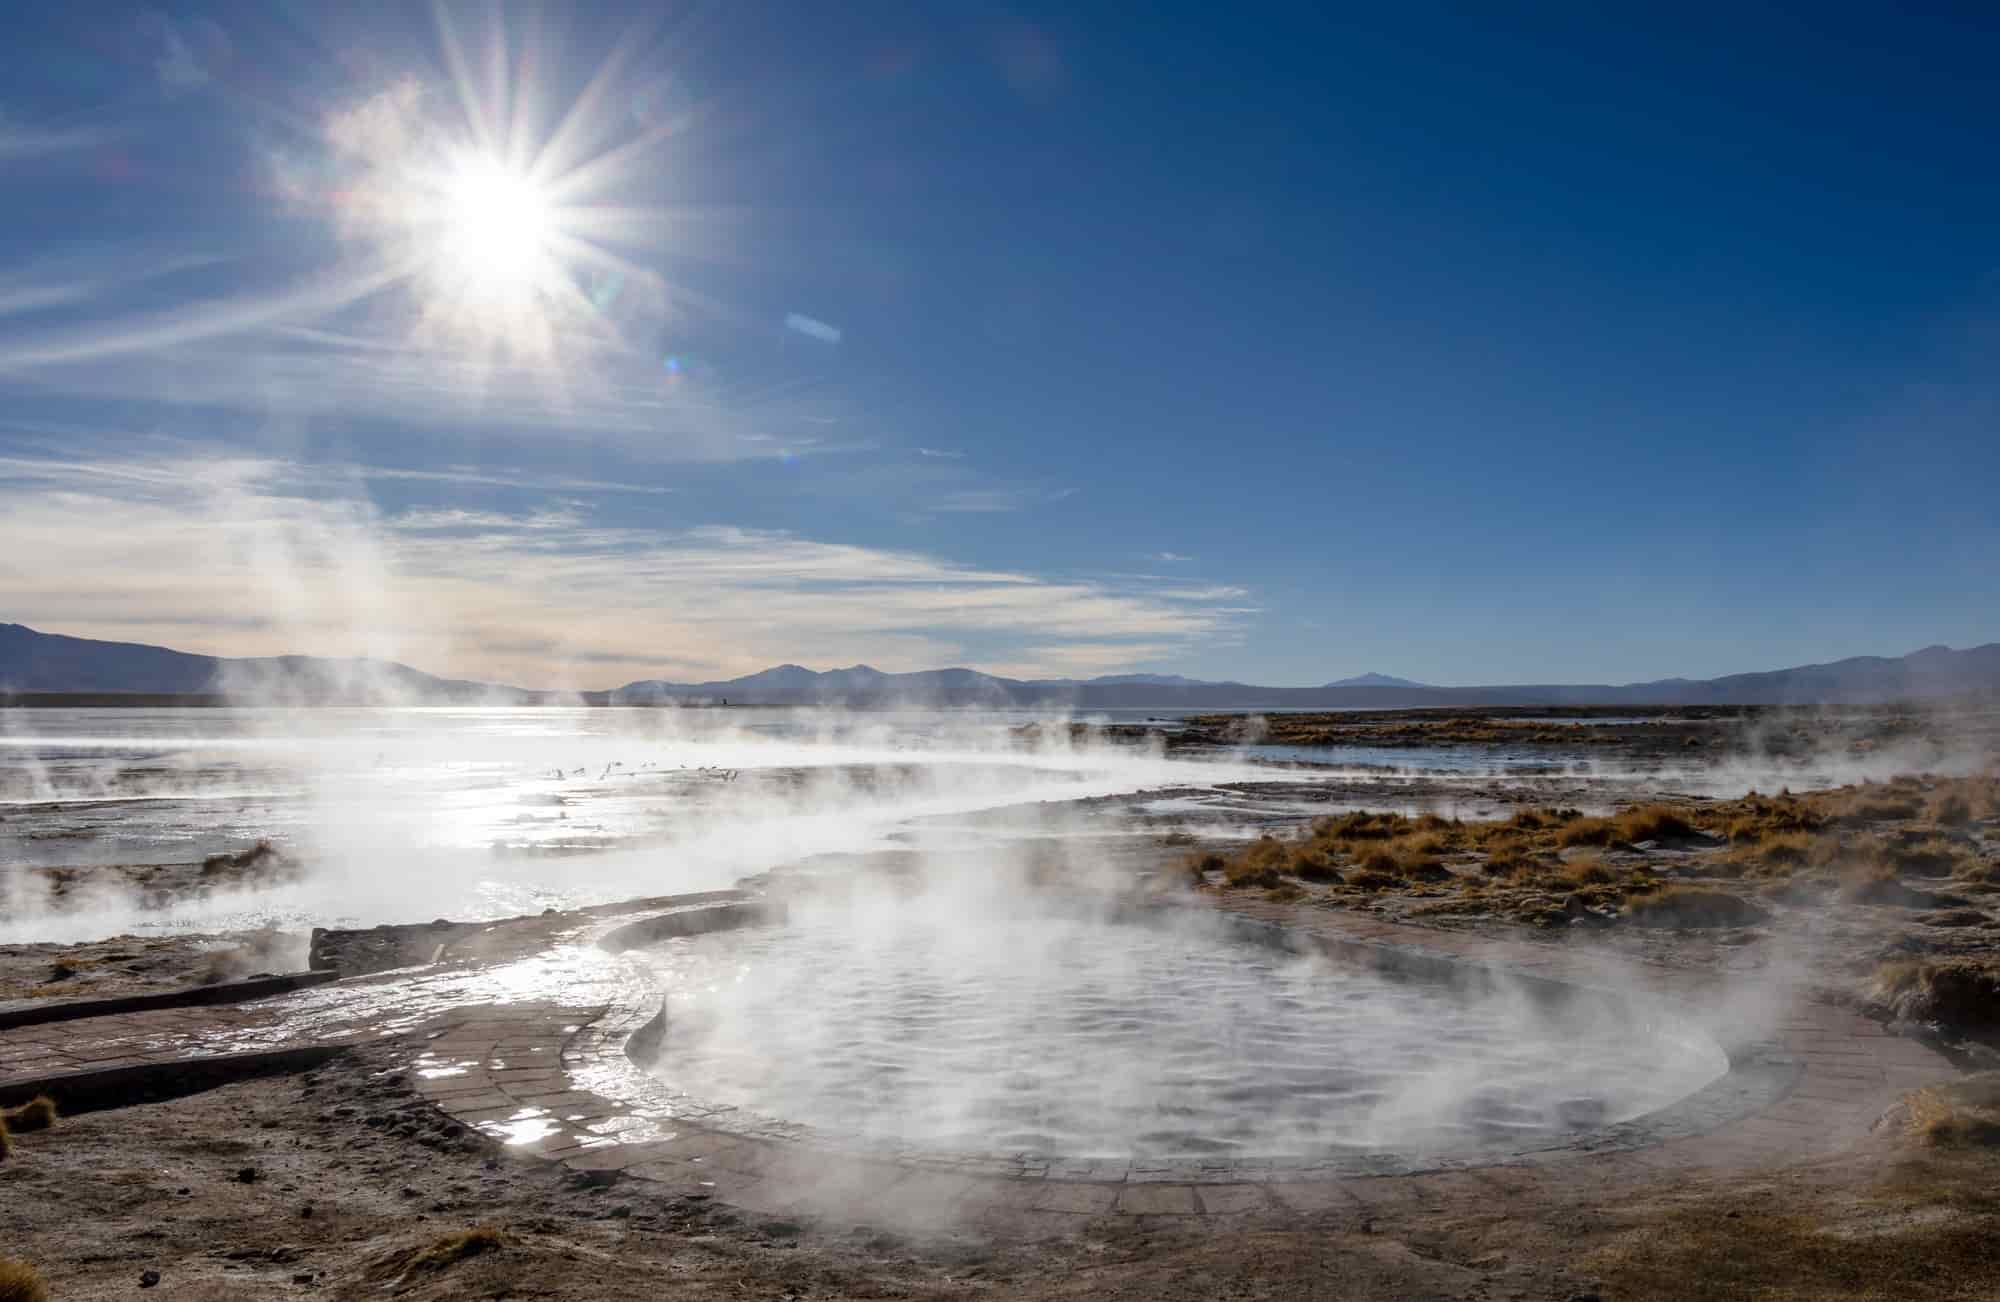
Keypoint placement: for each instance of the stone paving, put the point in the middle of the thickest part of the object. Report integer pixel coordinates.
(550, 1079)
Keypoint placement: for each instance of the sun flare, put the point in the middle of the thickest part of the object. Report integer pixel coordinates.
(496, 228)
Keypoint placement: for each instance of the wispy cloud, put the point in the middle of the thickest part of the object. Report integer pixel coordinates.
(985, 500)
(284, 561)
(185, 52)
(812, 328)
(1170, 557)
(945, 453)
(20, 141)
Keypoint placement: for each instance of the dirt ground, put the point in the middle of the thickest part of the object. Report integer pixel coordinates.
(341, 1183)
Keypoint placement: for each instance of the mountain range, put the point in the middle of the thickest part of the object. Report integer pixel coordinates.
(40, 664)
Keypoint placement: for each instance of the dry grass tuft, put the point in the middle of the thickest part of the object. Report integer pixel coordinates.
(20, 1282)
(1262, 864)
(1361, 826)
(450, 1249)
(38, 1113)
(1950, 808)
(1932, 857)
(6, 1140)
(1957, 993)
(1646, 823)
(1199, 866)
(242, 860)
(1751, 1249)
(1866, 806)
(1957, 1114)
(1684, 908)
(1586, 872)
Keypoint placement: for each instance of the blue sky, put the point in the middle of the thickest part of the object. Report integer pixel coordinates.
(1265, 342)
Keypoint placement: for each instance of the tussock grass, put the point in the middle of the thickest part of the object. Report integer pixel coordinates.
(1262, 864)
(1541, 820)
(20, 1282)
(1957, 1114)
(1868, 807)
(1950, 808)
(1646, 823)
(1762, 1249)
(1684, 908)
(1957, 993)
(1932, 857)
(1361, 826)
(6, 1140)
(256, 856)
(1585, 872)
(38, 1113)
(450, 1249)
(1510, 855)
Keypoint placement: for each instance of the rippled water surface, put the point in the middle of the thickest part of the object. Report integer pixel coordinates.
(1068, 1036)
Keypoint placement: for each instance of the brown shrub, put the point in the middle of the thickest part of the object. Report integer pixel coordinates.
(20, 1282)
(1373, 881)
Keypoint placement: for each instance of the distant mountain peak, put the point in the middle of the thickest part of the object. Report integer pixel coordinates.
(1374, 680)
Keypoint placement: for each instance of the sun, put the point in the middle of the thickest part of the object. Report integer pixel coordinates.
(497, 230)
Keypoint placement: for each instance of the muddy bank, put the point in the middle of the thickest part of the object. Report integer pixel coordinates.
(339, 1183)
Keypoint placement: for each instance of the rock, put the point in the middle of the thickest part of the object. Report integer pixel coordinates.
(306, 1212)
(60, 972)
(248, 1175)
(148, 1278)
(303, 1277)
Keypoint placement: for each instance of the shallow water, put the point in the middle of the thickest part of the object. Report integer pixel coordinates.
(403, 815)
(921, 1027)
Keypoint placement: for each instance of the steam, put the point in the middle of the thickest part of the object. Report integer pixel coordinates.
(963, 1011)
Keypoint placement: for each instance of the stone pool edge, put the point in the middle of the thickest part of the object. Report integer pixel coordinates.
(1829, 1075)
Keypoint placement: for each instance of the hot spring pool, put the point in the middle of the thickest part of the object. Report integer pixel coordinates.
(944, 1032)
